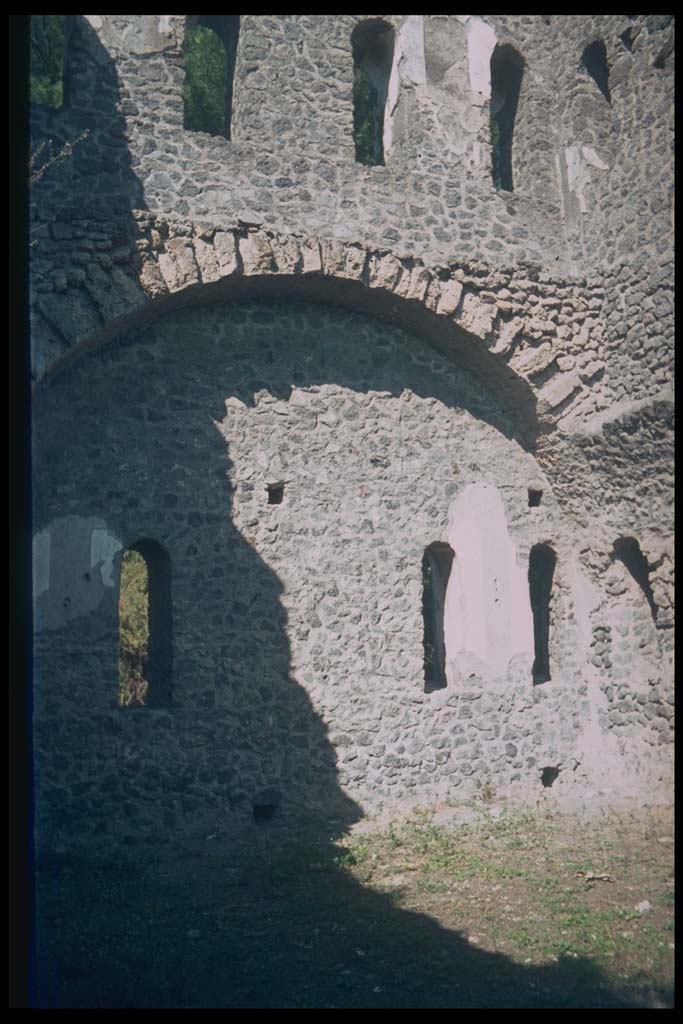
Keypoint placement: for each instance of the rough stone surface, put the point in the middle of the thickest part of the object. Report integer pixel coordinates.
(389, 343)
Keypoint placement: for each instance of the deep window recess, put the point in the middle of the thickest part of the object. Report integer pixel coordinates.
(436, 569)
(541, 568)
(210, 56)
(627, 550)
(534, 497)
(594, 62)
(276, 493)
(507, 69)
(145, 627)
(373, 54)
(47, 59)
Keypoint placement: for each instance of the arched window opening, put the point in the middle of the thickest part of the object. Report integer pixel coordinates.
(210, 56)
(47, 59)
(436, 570)
(542, 561)
(373, 54)
(627, 550)
(145, 627)
(507, 69)
(594, 63)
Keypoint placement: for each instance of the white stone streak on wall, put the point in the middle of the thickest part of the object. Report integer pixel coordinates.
(487, 612)
(481, 42)
(64, 553)
(103, 547)
(578, 159)
(408, 69)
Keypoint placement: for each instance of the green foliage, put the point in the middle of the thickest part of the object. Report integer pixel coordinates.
(133, 629)
(47, 59)
(367, 135)
(497, 155)
(206, 83)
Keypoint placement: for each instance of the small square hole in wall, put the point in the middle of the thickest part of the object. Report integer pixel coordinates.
(534, 498)
(276, 493)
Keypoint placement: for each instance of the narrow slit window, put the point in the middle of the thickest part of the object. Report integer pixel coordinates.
(594, 63)
(437, 562)
(541, 569)
(47, 39)
(373, 54)
(210, 58)
(145, 627)
(627, 550)
(507, 69)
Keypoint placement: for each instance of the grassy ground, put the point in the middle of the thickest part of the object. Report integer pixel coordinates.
(531, 911)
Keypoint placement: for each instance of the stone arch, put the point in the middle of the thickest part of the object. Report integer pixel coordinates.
(217, 265)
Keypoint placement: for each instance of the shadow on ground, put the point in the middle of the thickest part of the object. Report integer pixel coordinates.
(277, 926)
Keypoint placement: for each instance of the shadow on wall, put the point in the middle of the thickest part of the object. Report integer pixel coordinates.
(83, 189)
(130, 431)
(127, 437)
(140, 449)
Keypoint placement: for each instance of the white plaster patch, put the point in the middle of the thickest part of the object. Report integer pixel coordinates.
(103, 547)
(481, 42)
(487, 611)
(165, 24)
(592, 158)
(473, 155)
(94, 20)
(577, 176)
(41, 562)
(411, 43)
(573, 159)
(579, 159)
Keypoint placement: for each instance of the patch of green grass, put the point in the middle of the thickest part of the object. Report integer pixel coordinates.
(315, 924)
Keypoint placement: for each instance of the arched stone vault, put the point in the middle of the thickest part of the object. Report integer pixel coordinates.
(441, 305)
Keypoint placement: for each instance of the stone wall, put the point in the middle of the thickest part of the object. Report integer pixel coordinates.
(390, 343)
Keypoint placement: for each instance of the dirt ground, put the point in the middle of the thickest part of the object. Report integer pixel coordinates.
(535, 910)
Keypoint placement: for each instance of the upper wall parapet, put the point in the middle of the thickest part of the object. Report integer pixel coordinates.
(590, 166)
(291, 159)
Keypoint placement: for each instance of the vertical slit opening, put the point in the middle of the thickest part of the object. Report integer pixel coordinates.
(372, 44)
(594, 63)
(627, 550)
(436, 570)
(145, 627)
(542, 561)
(210, 57)
(507, 69)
